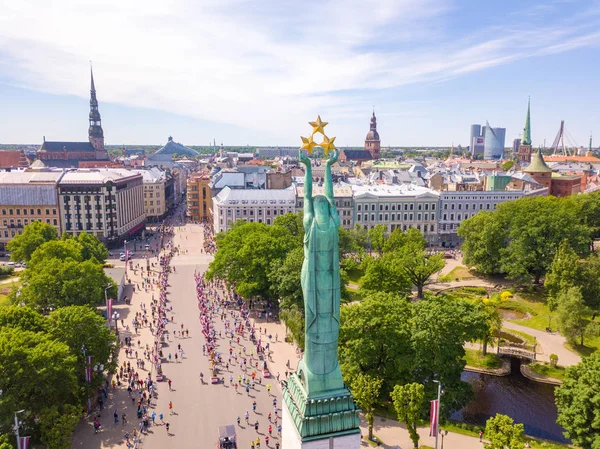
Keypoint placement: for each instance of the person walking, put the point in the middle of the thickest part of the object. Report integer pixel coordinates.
(171, 407)
(167, 425)
(170, 389)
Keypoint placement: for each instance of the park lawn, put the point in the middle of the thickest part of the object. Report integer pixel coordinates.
(5, 290)
(545, 369)
(476, 359)
(591, 345)
(458, 273)
(536, 302)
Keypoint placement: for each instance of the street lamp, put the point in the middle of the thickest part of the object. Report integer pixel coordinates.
(437, 414)
(443, 433)
(16, 428)
(115, 316)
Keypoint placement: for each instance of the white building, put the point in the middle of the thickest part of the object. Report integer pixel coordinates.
(397, 206)
(342, 193)
(252, 205)
(155, 203)
(458, 206)
(108, 203)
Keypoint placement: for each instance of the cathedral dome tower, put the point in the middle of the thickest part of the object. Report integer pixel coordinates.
(372, 142)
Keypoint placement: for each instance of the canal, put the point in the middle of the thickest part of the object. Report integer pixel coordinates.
(527, 402)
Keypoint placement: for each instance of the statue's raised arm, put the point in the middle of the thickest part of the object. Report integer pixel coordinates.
(308, 200)
(328, 184)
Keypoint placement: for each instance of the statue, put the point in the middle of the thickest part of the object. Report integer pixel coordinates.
(317, 404)
(319, 370)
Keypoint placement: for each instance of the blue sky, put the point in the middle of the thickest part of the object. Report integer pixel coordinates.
(254, 72)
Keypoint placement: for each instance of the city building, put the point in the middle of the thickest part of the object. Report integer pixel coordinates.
(107, 203)
(357, 156)
(25, 197)
(279, 179)
(397, 206)
(272, 153)
(164, 156)
(372, 142)
(254, 205)
(344, 201)
(199, 197)
(524, 149)
(13, 159)
(70, 154)
(494, 142)
(476, 140)
(155, 202)
(456, 206)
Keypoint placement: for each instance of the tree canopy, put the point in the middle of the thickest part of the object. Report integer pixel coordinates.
(408, 402)
(577, 401)
(502, 433)
(388, 337)
(23, 245)
(521, 237)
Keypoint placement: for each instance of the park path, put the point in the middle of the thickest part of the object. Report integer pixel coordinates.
(552, 343)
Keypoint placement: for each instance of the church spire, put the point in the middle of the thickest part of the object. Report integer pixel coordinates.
(526, 140)
(95, 132)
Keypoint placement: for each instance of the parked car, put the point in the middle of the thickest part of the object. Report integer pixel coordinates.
(122, 257)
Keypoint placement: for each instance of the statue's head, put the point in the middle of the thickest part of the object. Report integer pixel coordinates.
(321, 208)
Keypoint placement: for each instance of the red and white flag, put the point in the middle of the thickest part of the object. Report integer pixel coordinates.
(88, 370)
(433, 412)
(109, 309)
(24, 442)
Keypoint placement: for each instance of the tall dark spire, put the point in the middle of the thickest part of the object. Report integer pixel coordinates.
(373, 121)
(95, 132)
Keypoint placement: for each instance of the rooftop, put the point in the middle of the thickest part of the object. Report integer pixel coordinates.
(255, 196)
(403, 190)
(97, 176)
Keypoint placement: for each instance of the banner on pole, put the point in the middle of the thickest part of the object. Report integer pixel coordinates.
(433, 412)
(24, 442)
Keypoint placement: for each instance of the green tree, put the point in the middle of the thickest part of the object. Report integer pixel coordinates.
(6, 270)
(5, 442)
(375, 339)
(508, 165)
(396, 240)
(366, 393)
(293, 224)
(573, 315)
(285, 278)
(32, 365)
(537, 225)
(493, 323)
(577, 402)
(385, 274)
(61, 250)
(408, 401)
(564, 272)
(484, 236)
(246, 254)
(82, 326)
(92, 248)
(360, 236)
(58, 424)
(418, 265)
(23, 245)
(53, 283)
(24, 318)
(294, 321)
(502, 433)
(440, 327)
(377, 236)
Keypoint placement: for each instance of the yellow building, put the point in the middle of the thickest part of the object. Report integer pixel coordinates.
(199, 198)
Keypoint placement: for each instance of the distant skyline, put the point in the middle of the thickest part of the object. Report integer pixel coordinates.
(254, 73)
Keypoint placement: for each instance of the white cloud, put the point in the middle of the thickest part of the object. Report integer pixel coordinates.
(264, 65)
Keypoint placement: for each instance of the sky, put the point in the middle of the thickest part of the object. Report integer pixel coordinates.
(254, 73)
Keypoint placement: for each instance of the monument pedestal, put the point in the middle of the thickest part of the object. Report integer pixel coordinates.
(327, 422)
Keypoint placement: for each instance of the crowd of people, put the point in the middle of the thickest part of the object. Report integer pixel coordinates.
(227, 352)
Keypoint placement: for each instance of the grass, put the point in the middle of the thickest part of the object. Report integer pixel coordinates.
(458, 273)
(528, 338)
(5, 290)
(544, 369)
(517, 307)
(476, 359)
(536, 302)
(590, 346)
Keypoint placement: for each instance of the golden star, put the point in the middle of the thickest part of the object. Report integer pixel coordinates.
(327, 144)
(318, 126)
(308, 144)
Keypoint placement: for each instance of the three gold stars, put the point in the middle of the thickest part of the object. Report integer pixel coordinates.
(308, 143)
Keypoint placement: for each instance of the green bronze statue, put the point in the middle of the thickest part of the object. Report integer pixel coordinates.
(319, 370)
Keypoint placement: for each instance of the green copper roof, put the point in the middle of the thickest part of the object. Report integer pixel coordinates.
(526, 140)
(538, 165)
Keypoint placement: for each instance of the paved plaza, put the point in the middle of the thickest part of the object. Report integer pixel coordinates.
(200, 408)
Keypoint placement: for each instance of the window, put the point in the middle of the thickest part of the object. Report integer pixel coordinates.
(451, 216)
(3, 211)
(393, 217)
(452, 206)
(10, 211)
(445, 217)
(372, 217)
(359, 209)
(380, 217)
(24, 211)
(39, 211)
(487, 206)
(372, 207)
(31, 212)
(459, 206)
(411, 206)
(433, 206)
(386, 216)
(419, 206)
(358, 216)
